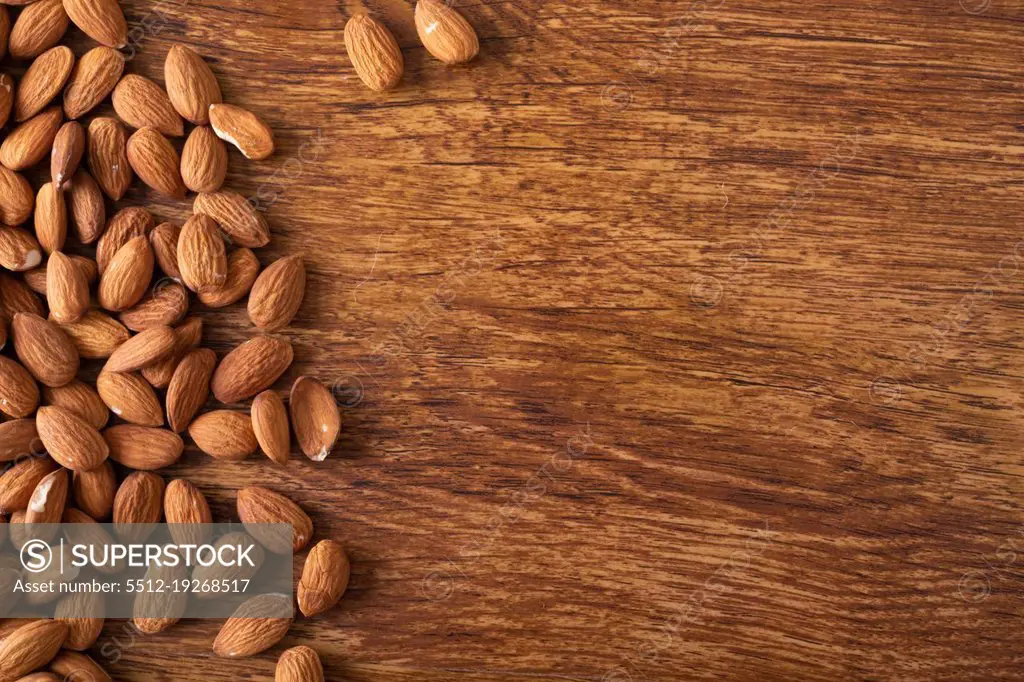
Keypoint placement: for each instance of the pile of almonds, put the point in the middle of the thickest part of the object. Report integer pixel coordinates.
(63, 310)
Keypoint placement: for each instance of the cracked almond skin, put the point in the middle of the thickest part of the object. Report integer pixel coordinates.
(125, 225)
(299, 664)
(142, 350)
(17, 437)
(30, 142)
(243, 224)
(51, 218)
(187, 336)
(30, 647)
(101, 20)
(42, 81)
(277, 294)
(145, 448)
(138, 504)
(68, 148)
(189, 387)
(164, 240)
(92, 79)
(67, 289)
(18, 482)
(204, 160)
(86, 210)
(224, 434)
(130, 397)
(243, 268)
(258, 507)
(202, 256)
(166, 304)
(94, 490)
(19, 250)
(256, 625)
(38, 27)
(81, 399)
(44, 350)
(141, 103)
(19, 392)
(96, 335)
(270, 424)
(127, 276)
(250, 368)
(445, 33)
(324, 578)
(243, 129)
(155, 162)
(16, 198)
(70, 440)
(315, 417)
(191, 85)
(374, 53)
(107, 143)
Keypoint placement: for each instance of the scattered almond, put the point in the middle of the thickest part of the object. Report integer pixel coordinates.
(250, 368)
(19, 393)
(324, 578)
(141, 103)
(108, 156)
(186, 337)
(126, 224)
(243, 267)
(202, 261)
(46, 506)
(79, 398)
(73, 666)
(277, 294)
(18, 438)
(257, 625)
(18, 249)
(51, 218)
(127, 276)
(142, 350)
(69, 439)
(92, 79)
(204, 160)
(96, 335)
(67, 289)
(156, 162)
(236, 216)
(42, 81)
(258, 507)
(16, 297)
(185, 508)
(166, 304)
(137, 505)
(30, 647)
(315, 417)
(299, 664)
(130, 397)
(374, 52)
(77, 611)
(270, 423)
(18, 482)
(191, 85)
(94, 490)
(101, 20)
(45, 351)
(189, 387)
(68, 148)
(445, 33)
(224, 434)
(243, 129)
(86, 208)
(143, 447)
(39, 27)
(164, 240)
(16, 197)
(30, 142)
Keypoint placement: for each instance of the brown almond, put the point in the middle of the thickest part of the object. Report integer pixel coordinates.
(277, 294)
(186, 337)
(141, 103)
(94, 490)
(68, 148)
(19, 393)
(79, 612)
(16, 297)
(257, 625)
(445, 33)
(7, 90)
(46, 506)
(189, 387)
(124, 226)
(85, 207)
(101, 20)
(18, 482)
(374, 53)
(243, 129)
(36, 278)
(236, 216)
(108, 156)
(191, 85)
(67, 289)
(315, 417)
(166, 304)
(30, 647)
(155, 611)
(250, 368)
(39, 27)
(324, 578)
(143, 447)
(299, 664)
(96, 335)
(92, 79)
(127, 276)
(270, 423)
(73, 666)
(18, 439)
(204, 160)
(138, 504)
(45, 351)
(224, 434)
(202, 261)
(258, 507)
(130, 397)
(30, 142)
(69, 439)
(164, 240)
(51, 218)
(80, 399)
(155, 162)
(243, 267)
(18, 249)
(16, 197)
(42, 81)
(142, 350)
(186, 509)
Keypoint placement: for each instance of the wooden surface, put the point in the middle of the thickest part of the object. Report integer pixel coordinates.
(677, 341)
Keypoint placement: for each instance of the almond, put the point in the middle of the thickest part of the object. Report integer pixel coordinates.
(324, 578)
(69, 439)
(185, 508)
(78, 611)
(445, 33)
(236, 216)
(16, 297)
(18, 482)
(45, 351)
(86, 208)
(201, 256)
(155, 162)
(126, 278)
(257, 625)
(164, 240)
(277, 294)
(299, 664)
(374, 53)
(155, 611)
(141, 103)
(250, 368)
(126, 224)
(186, 337)
(39, 27)
(216, 571)
(108, 156)
(243, 129)
(94, 490)
(19, 393)
(30, 647)
(189, 387)
(80, 399)
(18, 438)
(51, 219)
(270, 423)
(258, 507)
(68, 148)
(166, 304)
(92, 79)
(130, 397)
(142, 350)
(191, 85)
(315, 417)
(97, 335)
(46, 506)
(43, 81)
(30, 142)
(204, 160)
(67, 289)
(7, 89)
(73, 666)
(138, 504)
(243, 267)
(224, 434)
(16, 197)
(18, 249)
(143, 447)
(101, 20)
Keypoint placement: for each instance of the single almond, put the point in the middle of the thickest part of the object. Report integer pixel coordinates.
(251, 368)
(68, 148)
(79, 612)
(7, 90)
(30, 647)
(30, 142)
(186, 509)
(445, 33)
(258, 624)
(101, 20)
(67, 289)
(43, 81)
(36, 279)
(45, 351)
(142, 350)
(374, 53)
(189, 387)
(257, 507)
(69, 439)
(186, 337)
(46, 506)
(85, 207)
(141, 103)
(16, 198)
(138, 505)
(16, 297)
(243, 267)
(324, 578)
(143, 447)
(154, 611)
(18, 482)
(315, 417)
(108, 156)
(81, 399)
(130, 397)
(224, 434)
(202, 261)
(299, 664)
(166, 304)
(18, 249)
(270, 423)
(126, 224)
(94, 490)
(96, 335)
(236, 216)
(51, 218)
(204, 160)
(92, 79)
(18, 439)
(277, 294)
(155, 162)
(39, 27)
(73, 666)
(191, 85)
(243, 129)
(127, 276)
(19, 393)
(164, 240)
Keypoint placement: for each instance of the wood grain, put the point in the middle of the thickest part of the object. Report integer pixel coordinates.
(676, 340)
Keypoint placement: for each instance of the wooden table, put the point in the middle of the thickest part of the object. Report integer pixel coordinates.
(675, 341)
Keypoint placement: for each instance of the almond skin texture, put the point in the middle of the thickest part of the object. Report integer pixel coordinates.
(155, 162)
(47, 502)
(124, 226)
(67, 289)
(138, 503)
(101, 20)
(97, 335)
(243, 129)
(374, 53)
(94, 490)
(73, 666)
(16, 297)
(108, 156)
(92, 79)
(77, 612)
(18, 483)
(130, 397)
(85, 207)
(204, 160)
(164, 240)
(277, 294)
(69, 439)
(202, 260)
(141, 103)
(166, 304)
(299, 664)
(39, 27)
(445, 33)
(256, 626)
(189, 387)
(18, 438)
(18, 249)
(250, 368)
(7, 89)
(81, 399)
(262, 506)
(30, 142)
(191, 85)
(224, 434)
(45, 351)
(36, 279)
(324, 578)
(186, 337)
(236, 216)
(16, 198)
(127, 276)
(243, 267)
(315, 417)
(51, 218)
(270, 423)
(30, 647)
(185, 507)
(43, 81)
(19, 393)
(143, 447)
(68, 148)
(141, 350)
